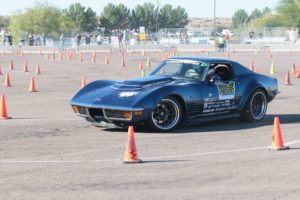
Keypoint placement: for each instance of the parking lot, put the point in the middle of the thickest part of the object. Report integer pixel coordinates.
(47, 152)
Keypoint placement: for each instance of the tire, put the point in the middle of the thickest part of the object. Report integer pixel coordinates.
(166, 116)
(256, 107)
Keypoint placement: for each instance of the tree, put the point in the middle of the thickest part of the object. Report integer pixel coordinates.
(115, 17)
(239, 18)
(268, 20)
(266, 10)
(255, 14)
(172, 18)
(288, 12)
(42, 18)
(4, 22)
(79, 18)
(144, 15)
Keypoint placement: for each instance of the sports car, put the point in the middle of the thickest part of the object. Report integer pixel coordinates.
(180, 91)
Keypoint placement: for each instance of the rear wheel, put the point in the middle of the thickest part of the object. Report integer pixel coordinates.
(256, 107)
(166, 116)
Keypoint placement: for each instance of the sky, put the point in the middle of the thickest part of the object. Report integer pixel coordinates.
(195, 8)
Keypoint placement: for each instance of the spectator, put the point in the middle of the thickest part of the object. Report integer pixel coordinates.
(31, 39)
(10, 39)
(221, 42)
(61, 39)
(78, 39)
(87, 39)
(120, 37)
(99, 39)
(43, 39)
(251, 34)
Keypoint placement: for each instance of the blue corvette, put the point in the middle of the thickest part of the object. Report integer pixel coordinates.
(180, 91)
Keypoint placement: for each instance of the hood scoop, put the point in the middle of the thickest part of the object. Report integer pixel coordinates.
(140, 83)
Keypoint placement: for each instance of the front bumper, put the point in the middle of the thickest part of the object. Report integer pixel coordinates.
(108, 114)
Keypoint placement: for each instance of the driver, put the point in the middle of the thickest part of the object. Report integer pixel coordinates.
(211, 75)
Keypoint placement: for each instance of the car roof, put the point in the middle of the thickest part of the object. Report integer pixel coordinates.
(203, 59)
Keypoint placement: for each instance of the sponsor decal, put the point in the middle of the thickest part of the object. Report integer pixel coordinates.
(226, 90)
(218, 106)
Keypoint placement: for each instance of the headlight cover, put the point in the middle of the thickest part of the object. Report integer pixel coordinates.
(127, 94)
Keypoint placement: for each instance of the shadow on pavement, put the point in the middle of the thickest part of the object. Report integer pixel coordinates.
(221, 125)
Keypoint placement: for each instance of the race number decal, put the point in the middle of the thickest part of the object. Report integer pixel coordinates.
(226, 90)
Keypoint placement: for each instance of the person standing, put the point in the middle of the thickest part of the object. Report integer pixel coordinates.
(221, 42)
(120, 37)
(44, 39)
(31, 39)
(78, 39)
(99, 39)
(61, 39)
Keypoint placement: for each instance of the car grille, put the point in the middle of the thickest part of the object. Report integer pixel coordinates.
(117, 114)
(82, 110)
(114, 114)
(96, 113)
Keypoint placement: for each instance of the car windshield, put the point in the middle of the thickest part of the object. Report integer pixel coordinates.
(187, 69)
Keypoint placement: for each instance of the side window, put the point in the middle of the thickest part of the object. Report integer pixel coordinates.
(223, 70)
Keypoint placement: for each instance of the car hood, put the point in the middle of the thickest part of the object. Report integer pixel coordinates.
(119, 94)
(141, 83)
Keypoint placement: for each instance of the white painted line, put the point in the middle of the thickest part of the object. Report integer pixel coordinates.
(56, 161)
(145, 159)
(209, 153)
(292, 142)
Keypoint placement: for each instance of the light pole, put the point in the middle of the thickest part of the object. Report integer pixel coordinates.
(214, 16)
(157, 12)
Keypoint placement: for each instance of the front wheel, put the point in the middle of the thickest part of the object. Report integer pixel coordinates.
(166, 115)
(256, 107)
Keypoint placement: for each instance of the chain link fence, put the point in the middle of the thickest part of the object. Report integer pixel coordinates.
(270, 35)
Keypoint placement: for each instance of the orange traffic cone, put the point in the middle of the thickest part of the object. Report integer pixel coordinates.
(53, 55)
(270, 55)
(141, 65)
(3, 110)
(121, 53)
(287, 79)
(11, 65)
(298, 74)
(7, 80)
(174, 52)
(80, 56)
(25, 67)
(122, 62)
(32, 85)
(277, 141)
(106, 60)
(60, 56)
(83, 83)
(293, 71)
(38, 69)
(1, 70)
(158, 53)
(94, 57)
(131, 155)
